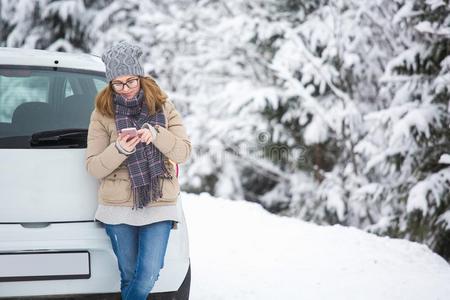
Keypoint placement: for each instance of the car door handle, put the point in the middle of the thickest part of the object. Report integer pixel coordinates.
(35, 224)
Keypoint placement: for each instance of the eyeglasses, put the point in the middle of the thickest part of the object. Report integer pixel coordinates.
(130, 83)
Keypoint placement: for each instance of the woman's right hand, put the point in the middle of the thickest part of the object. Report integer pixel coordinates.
(128, 144)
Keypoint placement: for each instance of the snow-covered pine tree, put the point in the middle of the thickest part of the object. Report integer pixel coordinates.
(412, 130)
(317, 66)
(246, 148)
(47, 24)
(65, 23)
(17, 23)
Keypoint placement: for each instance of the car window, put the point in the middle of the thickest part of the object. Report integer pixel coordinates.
(99, 84)
(15, 90)
(68, 91)
(38, 99)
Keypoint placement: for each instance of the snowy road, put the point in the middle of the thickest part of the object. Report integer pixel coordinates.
(239, 251)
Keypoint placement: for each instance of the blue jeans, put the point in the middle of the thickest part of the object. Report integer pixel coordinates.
(140, 252)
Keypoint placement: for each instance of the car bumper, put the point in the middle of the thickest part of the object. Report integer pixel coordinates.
(90, 237)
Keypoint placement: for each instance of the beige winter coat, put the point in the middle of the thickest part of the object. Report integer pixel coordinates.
(105, 162)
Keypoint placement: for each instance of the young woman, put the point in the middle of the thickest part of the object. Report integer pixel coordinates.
(138, 183)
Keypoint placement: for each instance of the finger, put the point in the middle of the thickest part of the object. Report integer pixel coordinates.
(133, 140)
(145, 139)
(136, 142)
(143, 136)
(131, 144)
(148, 137)
(123, 137)
(142, 131)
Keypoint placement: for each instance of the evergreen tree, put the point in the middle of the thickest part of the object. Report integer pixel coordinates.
(415, 127)
(59, 25)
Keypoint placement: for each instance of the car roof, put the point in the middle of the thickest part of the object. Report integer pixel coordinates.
(45, 58)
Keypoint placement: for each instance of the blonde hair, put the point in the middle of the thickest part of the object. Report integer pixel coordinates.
(154, 97)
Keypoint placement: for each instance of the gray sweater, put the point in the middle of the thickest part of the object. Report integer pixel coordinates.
(138, 217)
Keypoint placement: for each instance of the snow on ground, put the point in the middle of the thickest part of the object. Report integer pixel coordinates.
(240, 251)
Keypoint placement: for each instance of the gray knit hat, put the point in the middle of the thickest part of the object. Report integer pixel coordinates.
(122, 59)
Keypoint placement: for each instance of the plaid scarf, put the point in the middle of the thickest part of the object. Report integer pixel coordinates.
(146, 165)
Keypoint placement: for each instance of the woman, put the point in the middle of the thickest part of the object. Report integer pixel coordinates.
(138, 183)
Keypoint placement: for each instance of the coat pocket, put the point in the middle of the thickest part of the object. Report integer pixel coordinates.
(116, 187)
(170, 189)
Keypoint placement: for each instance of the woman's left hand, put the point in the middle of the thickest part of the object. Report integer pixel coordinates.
(146, 135)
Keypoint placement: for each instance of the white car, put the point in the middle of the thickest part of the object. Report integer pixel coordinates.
(50, 243)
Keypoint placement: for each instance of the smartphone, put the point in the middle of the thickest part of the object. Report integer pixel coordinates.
(131, 131)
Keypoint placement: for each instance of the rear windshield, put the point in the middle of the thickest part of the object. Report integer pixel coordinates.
(33, 100)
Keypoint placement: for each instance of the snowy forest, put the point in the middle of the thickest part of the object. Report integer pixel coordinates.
(334, 112)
